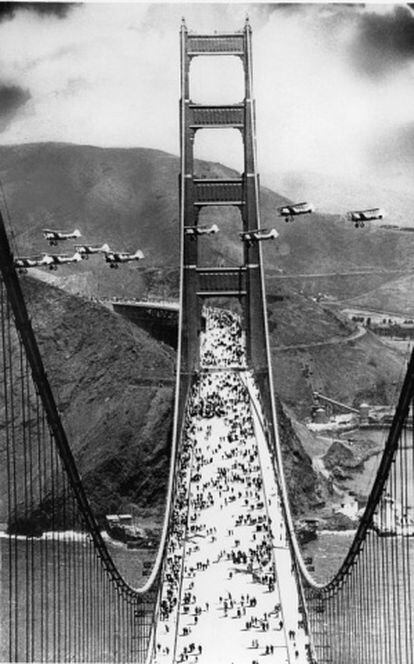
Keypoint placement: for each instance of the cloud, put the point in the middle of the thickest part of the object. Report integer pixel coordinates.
(108, 74)
(8, 10)
(393, 152)
(381, 37)
(384, 42)
(12, 97)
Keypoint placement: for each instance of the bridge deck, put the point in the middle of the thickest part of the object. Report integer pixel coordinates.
(228, 594)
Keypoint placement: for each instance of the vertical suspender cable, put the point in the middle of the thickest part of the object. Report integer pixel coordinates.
(13, 515)
(6, 388)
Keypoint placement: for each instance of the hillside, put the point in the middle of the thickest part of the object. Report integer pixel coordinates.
(114, 387)
(358, 371)
(314, 349)
(337, 287)
(396, 296)
(296, 319)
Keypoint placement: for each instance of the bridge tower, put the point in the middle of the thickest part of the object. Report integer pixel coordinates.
(244, 282)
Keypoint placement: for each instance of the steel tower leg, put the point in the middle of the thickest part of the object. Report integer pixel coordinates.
(245, 282)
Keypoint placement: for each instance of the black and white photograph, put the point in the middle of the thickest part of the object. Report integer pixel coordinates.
(207, 332)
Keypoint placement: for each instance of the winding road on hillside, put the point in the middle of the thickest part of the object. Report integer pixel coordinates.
(357, 334)
(321, 275)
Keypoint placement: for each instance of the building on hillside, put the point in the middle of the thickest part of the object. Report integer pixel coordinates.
(122, 527)
(364, 411)
(349, 507)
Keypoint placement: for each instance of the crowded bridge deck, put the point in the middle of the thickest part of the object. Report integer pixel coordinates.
(228, 571)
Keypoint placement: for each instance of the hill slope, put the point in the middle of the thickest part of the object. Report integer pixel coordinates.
(352, 373)
(113, 385)
(395, 296)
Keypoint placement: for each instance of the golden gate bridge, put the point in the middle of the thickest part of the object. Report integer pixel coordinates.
(229, 583)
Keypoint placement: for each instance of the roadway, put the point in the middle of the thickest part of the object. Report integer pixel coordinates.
(323, 275)
(228, 585)
(167, 305)
(357, 334)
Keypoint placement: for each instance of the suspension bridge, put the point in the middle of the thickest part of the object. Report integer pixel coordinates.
(229, 583)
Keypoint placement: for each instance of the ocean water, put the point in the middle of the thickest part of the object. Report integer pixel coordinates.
(56, 631)
(328, 552)
(382, 622)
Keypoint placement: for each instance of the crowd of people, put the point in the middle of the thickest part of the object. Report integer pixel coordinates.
(224, 340)
(220, 599)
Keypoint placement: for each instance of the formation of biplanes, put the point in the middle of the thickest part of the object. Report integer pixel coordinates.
(81, 252)
(116, 258)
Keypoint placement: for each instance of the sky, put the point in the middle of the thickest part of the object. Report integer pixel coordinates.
(333, 82)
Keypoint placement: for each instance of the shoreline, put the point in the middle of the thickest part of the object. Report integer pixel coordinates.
(62, 536)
